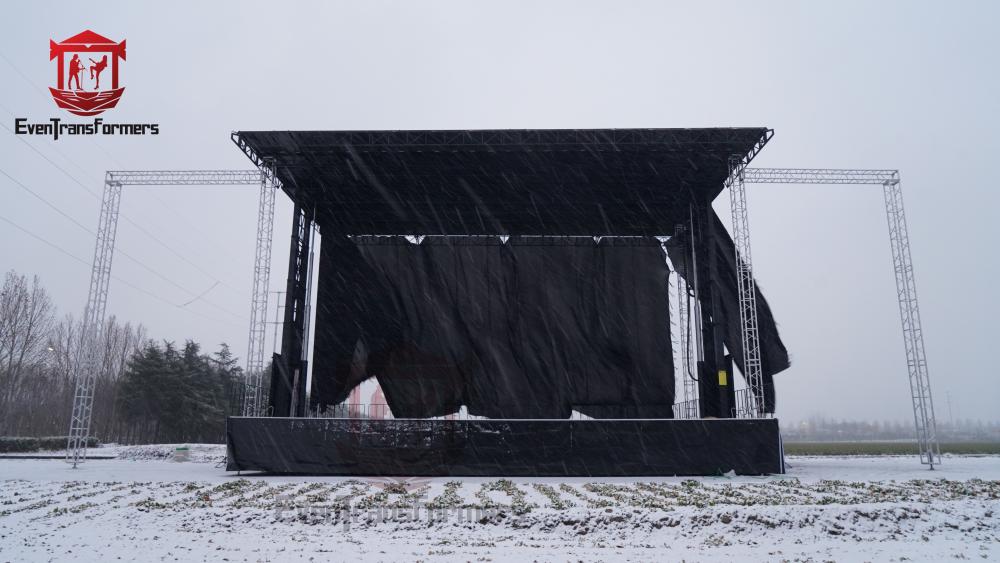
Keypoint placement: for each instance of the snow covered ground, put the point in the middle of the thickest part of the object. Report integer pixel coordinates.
(142, 506)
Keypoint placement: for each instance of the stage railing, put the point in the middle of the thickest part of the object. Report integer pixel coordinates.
(686, 409)
(746, 407)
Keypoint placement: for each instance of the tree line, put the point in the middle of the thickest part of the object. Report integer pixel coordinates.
(819, 429)
(146, 391)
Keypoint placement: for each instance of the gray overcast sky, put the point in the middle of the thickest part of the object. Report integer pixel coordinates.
(907, 85)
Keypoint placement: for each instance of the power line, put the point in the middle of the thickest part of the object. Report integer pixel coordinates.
(52, 162)
(46, 202)
(141, 290)
(91, 192)
(200, 295)
(40, 239)
(53, 147)
(18, 71)
(160, 200)
(122, 252)
(128, 219)
(163, 203)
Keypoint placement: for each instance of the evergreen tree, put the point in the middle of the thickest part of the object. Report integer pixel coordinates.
(180, 395)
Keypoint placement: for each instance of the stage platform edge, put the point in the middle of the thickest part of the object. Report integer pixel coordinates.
(522, 448)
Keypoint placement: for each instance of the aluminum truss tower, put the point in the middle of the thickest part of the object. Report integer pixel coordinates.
(253, 397)
(906, 289)
(747, 289)
(93, 319)
(88, 362)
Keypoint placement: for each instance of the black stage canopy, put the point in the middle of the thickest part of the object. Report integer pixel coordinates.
(524, 182)
(568, 311)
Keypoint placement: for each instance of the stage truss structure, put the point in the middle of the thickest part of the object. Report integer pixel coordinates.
(747, 290)
(906, 289)
(253, 396)
(100, 278)
(93, 318)
(265, 178)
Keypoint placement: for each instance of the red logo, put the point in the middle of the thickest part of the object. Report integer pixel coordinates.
(78, 86)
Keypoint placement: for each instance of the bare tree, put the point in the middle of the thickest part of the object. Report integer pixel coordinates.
(65, 343)
(118, 343)
(26, 315)
(182, 396)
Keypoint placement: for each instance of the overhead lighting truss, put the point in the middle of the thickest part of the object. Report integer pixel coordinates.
(906, 289)
(100, 277)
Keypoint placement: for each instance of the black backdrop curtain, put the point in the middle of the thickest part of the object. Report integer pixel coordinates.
(530, 328)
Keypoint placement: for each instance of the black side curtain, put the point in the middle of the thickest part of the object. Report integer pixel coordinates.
(773, 355)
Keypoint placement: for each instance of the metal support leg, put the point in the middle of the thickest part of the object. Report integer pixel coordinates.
(253, 398)
(747, 287)
(87, 363)
(714, 381)
(289, 373)
(302, 389)
(909, 314)
(689, 385)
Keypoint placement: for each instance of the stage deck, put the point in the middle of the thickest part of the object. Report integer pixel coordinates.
(538, 448)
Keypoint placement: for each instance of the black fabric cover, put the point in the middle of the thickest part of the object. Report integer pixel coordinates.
(516, 182)
(534, 448)
(773, 355)
(530, 328)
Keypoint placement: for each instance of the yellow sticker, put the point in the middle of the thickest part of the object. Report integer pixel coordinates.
(723, 379)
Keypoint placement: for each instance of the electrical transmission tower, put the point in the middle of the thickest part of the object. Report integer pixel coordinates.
(906, 289)
(87, 361)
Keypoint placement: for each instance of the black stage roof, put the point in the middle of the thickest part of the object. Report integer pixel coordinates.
(529, 182)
